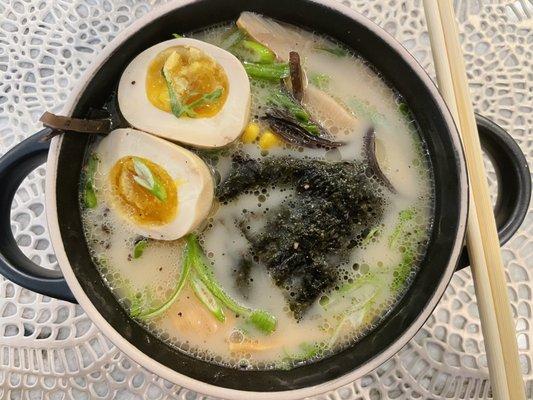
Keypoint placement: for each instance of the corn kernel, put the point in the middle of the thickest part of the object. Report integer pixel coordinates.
(268, 140)
(250, 133)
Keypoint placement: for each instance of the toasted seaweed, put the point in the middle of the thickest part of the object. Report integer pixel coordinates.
(242, 275)
(307, 235)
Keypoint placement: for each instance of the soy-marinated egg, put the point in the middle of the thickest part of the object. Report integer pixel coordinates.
(161, 190)
(188, 91)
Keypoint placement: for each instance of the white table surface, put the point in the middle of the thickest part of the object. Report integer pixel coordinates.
(50, 350)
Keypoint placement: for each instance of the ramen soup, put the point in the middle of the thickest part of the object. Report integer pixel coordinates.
(267, 201)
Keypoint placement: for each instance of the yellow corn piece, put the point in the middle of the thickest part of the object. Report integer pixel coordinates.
(268, 140)
(250, 133)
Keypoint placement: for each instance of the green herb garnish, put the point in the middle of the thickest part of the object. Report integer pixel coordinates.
(355, 316)
(205, 296)
(336, 51)
(175, 104)
(177, 35)
(303, 118)
(271, 72)
(137, 305)
(404, 218)
(232, 38)
(365, 110)
(404, 109)
(403, 270)
(204, 99)
(89, 195)
(180, 109)
(139, 300)
(146, 179)
(208, 290)
(406, 237)
(360, 305)
(353, 291)
(138, 248)
(321, 81)
(262, 320)
(248, 50)
(306, 351)
(141, 313)
(282, 100)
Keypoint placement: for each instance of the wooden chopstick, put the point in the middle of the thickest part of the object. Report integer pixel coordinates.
(487, 313)
(482, 236)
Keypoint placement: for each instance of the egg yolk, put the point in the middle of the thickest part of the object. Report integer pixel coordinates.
(138, 202)
(196, 79)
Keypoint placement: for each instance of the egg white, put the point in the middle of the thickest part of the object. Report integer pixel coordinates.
(216, 131)
(194, 186)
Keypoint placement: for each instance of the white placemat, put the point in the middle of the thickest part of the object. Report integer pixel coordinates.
(50, 350)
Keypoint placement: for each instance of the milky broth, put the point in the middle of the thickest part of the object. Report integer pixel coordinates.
(374, 266)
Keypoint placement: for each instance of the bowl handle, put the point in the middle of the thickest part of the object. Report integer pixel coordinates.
(514, 180)
(514, 192)
(15, 165)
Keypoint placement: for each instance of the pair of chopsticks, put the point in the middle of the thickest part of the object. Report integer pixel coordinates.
(482, 236)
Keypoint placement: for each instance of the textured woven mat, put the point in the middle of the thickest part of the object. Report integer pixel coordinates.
(49, 349)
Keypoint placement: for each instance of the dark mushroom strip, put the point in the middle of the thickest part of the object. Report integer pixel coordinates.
(303, 240)
(296, 74)
(369, 147)
(290, 129)
(288, 132)
(61, 123)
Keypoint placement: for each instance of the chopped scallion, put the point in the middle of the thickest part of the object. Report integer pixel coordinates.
(404, 217)
(336, 51)
(248, 50)
(146, 179)
(138, 248)
(321, 81)
(262, 320)
(205, 296)
(184, 275)
(272, 72)
(175, 104)
(232, 38)
(287, 102)
(180, 109)
(89, 195)
(404, 109)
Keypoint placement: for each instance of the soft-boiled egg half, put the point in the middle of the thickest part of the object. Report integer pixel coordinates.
(161, 190)
(188, 91)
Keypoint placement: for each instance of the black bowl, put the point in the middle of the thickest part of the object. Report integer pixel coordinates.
(397, 68)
